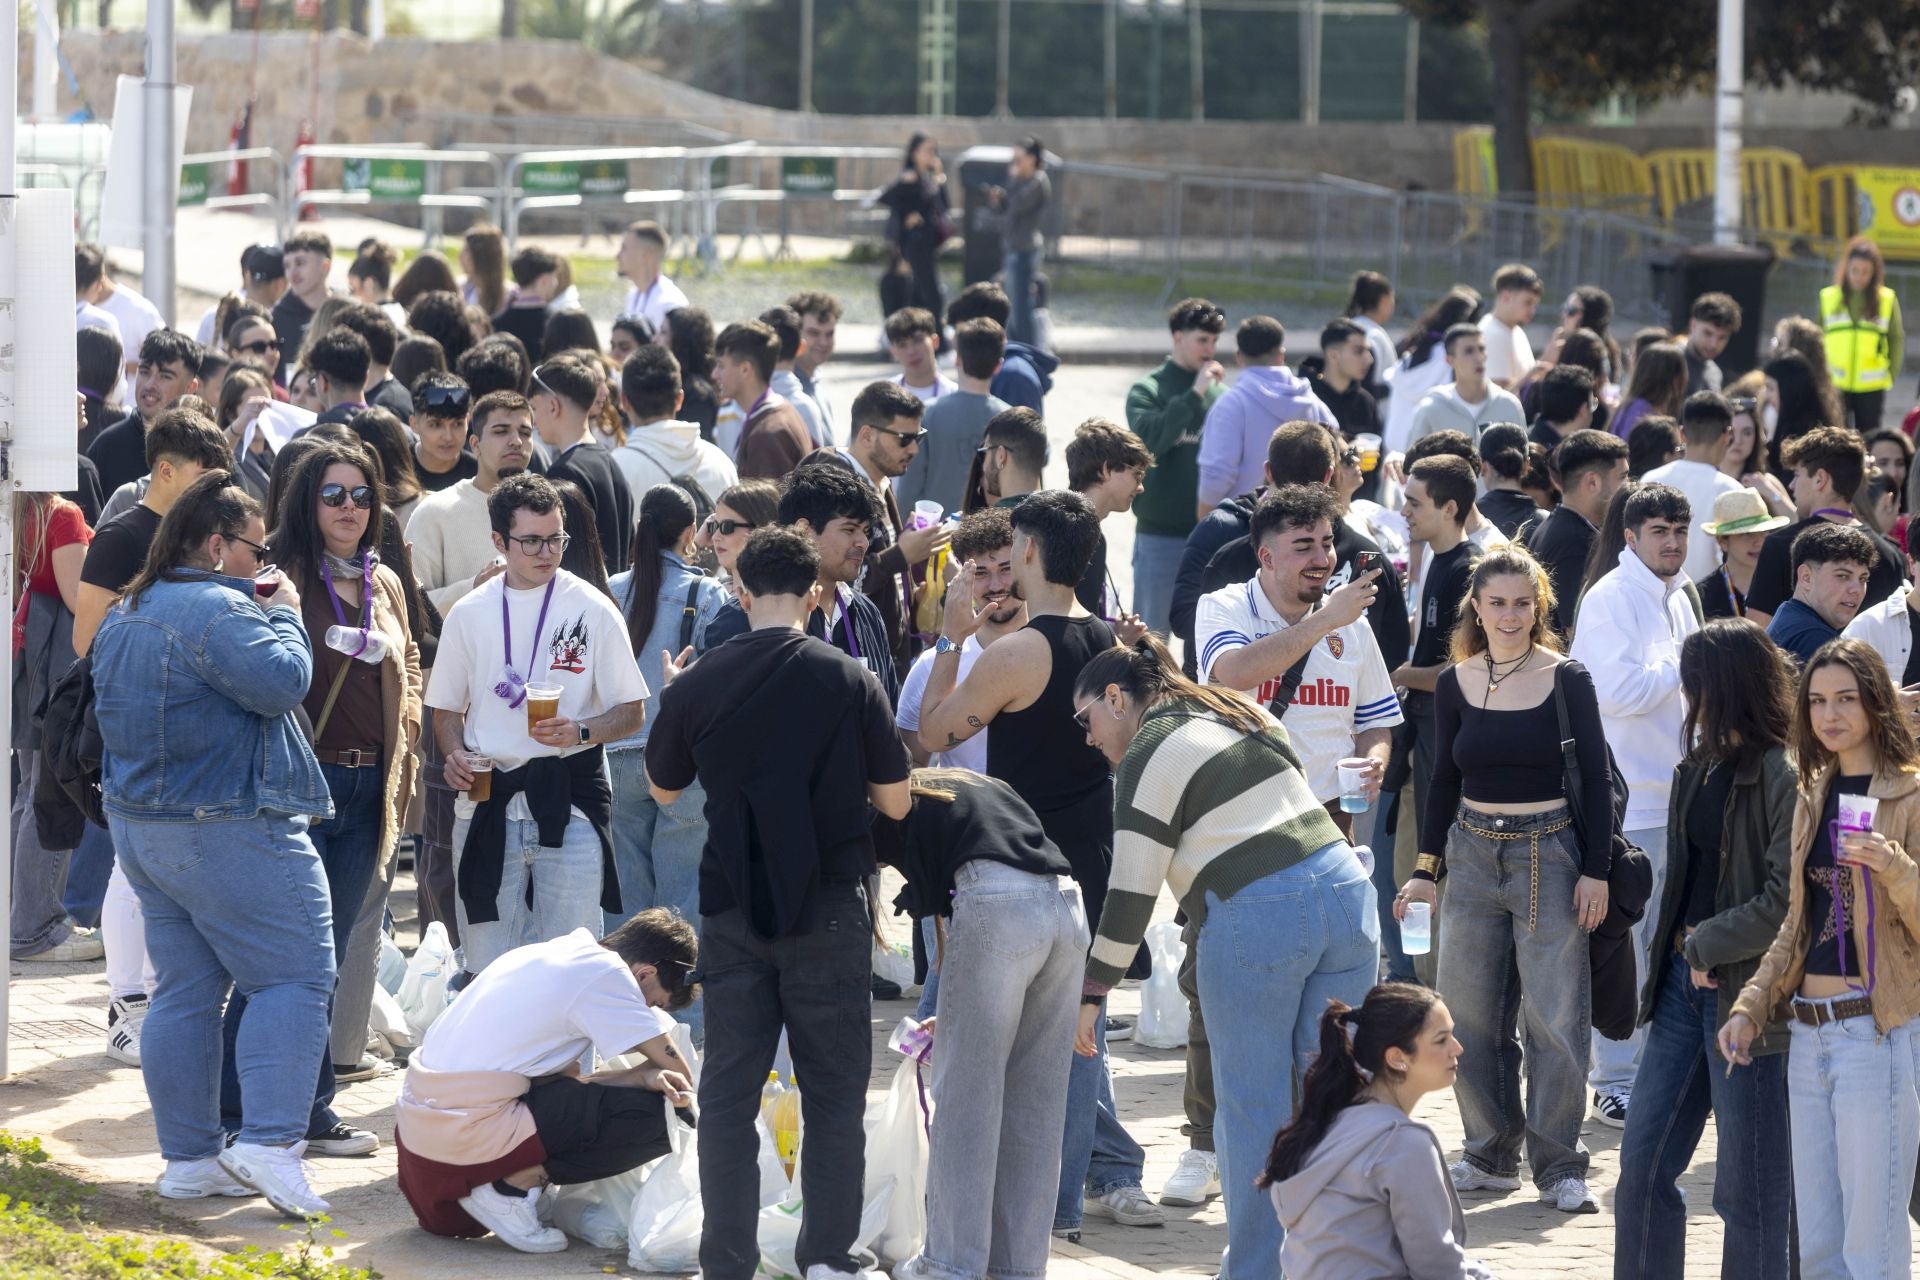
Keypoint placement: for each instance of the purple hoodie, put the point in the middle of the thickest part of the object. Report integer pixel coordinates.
(1233, 443)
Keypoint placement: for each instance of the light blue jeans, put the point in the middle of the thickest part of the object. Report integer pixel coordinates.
(1156, 562)
(1016, 276)
(1097, 1154)
(1617, 1062)
(234, 904)
(1851, 1098)
(566, 891)
(657, 853)
(1270, 957)
(1016, 950)
(930, 989)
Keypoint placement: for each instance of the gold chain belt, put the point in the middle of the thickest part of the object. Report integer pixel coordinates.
(1533, 853)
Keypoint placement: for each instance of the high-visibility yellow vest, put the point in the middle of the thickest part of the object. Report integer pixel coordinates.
(1857, 347)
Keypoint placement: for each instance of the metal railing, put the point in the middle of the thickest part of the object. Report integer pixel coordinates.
(433, 198)
(274, 200)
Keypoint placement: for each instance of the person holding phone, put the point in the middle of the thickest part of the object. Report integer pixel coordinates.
(1844, 965)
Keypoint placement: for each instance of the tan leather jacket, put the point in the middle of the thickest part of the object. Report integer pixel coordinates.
(1896, 899)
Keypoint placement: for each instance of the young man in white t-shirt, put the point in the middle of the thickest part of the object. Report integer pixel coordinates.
(650, 295)
(494, 1107)
(913, 340)
(1251, 635)
(543, 831)
(1706, 420)
(1516, 296)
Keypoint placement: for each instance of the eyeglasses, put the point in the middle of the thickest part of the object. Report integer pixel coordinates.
(336, 495)
(258, 550)
(726, 528)
(260, 347)
(904, 437)
(1351, 458)
(1573, 309)
(1084, 716)
(533, 545)
(450, 399)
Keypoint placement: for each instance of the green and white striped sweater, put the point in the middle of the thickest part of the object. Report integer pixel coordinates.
(1199, 806)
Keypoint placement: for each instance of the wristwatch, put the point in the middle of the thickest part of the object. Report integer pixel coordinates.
(944, 645)
(586, 734)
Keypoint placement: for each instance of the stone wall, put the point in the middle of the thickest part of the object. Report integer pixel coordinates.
(412, 90)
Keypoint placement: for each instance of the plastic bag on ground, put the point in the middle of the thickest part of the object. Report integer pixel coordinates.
(779, 1233)
(897, 1151)
(663, 1231)
(392, 969)
(423, 992)
(1163, 1010)
(388, 1021)
(895, 964)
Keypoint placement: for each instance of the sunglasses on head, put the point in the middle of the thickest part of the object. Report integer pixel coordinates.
(727, 528)
(446, 400)
(336, 495)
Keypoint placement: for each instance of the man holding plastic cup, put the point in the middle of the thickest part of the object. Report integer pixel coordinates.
(534, 673)
(1305, 653)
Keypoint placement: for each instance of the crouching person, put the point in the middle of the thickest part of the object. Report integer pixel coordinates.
(494, 1107)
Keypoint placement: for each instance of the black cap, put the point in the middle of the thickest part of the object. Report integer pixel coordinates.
(264, 262)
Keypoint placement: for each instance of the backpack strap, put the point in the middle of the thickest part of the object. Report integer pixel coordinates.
(689, 613)
(1289, 686)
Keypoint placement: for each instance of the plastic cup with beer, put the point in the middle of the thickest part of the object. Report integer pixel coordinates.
(1369, 446)
(481, 788)
(543, 703)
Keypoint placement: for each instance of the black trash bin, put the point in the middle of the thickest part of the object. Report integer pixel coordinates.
(986, 166)
(1737, 270)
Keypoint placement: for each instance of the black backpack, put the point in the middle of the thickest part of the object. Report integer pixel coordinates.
(688, 484)
(70, 758)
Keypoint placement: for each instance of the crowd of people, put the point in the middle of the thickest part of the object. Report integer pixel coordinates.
(1478, 710)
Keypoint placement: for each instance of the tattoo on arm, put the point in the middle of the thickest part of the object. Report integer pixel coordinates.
(976, 722)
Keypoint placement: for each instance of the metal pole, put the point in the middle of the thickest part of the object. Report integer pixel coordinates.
(1153, 59)
(1002, 63)
(46, 58)
(806, 55)
(1729, 105)
(161, 189)
(1110, 39)
(1310, 62)
(9, 255)
(1196, 61)
(1412, 83)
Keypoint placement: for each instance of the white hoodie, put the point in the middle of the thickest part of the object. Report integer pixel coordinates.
(1888, 628)
(1628, 635)
(661, 452)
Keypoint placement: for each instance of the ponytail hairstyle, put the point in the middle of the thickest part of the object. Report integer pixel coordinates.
(1148, 673)
(1353, 1050)
(212, 504)
(665, 518)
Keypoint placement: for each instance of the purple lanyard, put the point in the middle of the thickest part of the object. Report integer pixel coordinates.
(1843, 512)
(1834, 831)
(846, 625)
(366, 595)
(756, 406)
(533, 641)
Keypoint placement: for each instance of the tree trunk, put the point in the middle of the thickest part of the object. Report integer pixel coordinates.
(509, 19)
(1512, 84)
(106, 14)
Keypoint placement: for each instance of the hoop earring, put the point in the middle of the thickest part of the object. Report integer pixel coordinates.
(1116, 713)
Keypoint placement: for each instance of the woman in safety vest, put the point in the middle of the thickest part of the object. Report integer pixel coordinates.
(1861, 318)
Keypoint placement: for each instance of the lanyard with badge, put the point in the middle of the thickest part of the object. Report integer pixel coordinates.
(512, 686)
(846, 629)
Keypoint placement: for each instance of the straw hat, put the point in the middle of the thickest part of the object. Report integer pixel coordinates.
(1742, 511)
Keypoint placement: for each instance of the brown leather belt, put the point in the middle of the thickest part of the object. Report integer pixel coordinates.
(1817, 1013)
(355, 759)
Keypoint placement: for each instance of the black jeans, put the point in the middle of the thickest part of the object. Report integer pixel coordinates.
(595, 1131)
(1864, 410)
(816, 983)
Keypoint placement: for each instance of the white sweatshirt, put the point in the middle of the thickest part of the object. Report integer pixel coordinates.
(452, 540)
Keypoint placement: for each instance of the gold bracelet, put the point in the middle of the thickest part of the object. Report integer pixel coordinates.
(1429, 863)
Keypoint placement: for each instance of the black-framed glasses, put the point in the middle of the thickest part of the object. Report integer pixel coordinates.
(1084, 716)
(258, 550)
(338, 495)
(446, 400)
(727, 528)
(533, 544)
(904, 437)
(260, 347)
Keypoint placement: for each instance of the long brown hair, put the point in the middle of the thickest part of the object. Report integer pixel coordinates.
(1148, 673)
(662, 523)
(1861, 247)
(1469, 637)
(298, 544)
(212, 504)
(1660, 378)
(1886, 722)
(487, 253)
(1739, 689)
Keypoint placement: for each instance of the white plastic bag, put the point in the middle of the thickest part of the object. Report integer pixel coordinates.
(897, 1150)
(779, 1233)
(1163, 1010)
(423, 992)
(389, 1021)
(663, 1232)
(895, 964)
(393, 964)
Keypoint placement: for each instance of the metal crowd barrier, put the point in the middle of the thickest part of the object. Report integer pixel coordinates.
(399, 175)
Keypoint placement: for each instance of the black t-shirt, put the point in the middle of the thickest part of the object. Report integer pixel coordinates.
(1912, 674)
(1823, 875)
(529, 324)
(593, 469)
(1706, 828)
(1508, 509)
(1354, 409)
(1719, 598)
(120, 452)
(465, 467)
(1560, 543)
(119, 548)
(87, 494)
(784, 733)
(1772, 583)
(290, 319)
(986, 821)
(1441, 595)
(388, 394)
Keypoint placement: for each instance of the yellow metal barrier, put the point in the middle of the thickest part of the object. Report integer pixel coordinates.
(1776, 192)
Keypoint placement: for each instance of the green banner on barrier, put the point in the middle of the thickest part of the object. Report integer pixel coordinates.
(809, 175)
(386, 179)
(194, 184)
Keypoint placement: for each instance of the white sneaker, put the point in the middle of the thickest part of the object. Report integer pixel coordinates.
(1128, 1206)
(124, 1016)
(515, 1219)
(80, 944)
(1195, 1181)
(821, 1271)
(198, 1179)
(1570, 1195)
(1468, 1176)
(276, 1173)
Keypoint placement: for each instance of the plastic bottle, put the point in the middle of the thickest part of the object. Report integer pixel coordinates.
(783, 1118)
(368, 646)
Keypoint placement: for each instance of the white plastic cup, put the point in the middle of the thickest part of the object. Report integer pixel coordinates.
(912, 1040)
(927, 513)
(1416, 930)
(1353, 784)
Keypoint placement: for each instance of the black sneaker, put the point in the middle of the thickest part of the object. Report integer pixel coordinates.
(1611, 1109)
(368, 1068)
(343, 1140)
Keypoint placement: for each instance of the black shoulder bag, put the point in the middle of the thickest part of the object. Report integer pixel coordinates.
(1289, 686)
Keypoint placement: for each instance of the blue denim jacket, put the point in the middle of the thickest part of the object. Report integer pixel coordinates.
(676, 578)
(195, 693)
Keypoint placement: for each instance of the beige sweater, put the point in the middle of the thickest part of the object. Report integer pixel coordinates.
(452, 540)
(463, 1117)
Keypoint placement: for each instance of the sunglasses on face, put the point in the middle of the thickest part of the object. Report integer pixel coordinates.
(258, 550)
(260, 347)
(447, 400)
(727, 528)
(533, 544)
(904, 437)
(336, 495)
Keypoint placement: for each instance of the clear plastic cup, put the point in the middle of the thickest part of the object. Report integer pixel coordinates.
(543, 703)
(1416, 930)
(481, 788)
(1353, 784)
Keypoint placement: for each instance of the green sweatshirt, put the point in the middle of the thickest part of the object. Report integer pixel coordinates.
(1163, 411)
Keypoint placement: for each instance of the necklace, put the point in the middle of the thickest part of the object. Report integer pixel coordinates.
(1495, 676)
